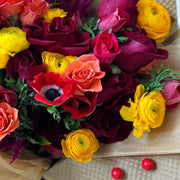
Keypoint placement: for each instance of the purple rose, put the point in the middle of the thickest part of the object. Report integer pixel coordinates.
(25, 65)
(108, 126)
(116, 14)
(117, 89)
(8, 96)
(139, 51)
(50, 129)
(61, 35)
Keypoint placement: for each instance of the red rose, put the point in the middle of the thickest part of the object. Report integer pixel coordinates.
(51, 89)
(171, 93)
(115, 14)
(25, 65)
(8, 96)
(105, 47)
(138, 52)
(61, 35)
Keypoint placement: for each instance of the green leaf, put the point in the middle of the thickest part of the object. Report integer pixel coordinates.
(41, 140)
(122, 39)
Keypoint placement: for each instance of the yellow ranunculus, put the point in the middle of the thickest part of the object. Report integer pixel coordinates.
(146, 112)
(55, 62)
(80, 145)
(154, 18)
(12, 41)
(52, 13)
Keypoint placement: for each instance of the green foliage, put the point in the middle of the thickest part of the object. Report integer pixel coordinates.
(91, 27)
(156, 82)
(25, 100)
(72, 124)
(122, 39)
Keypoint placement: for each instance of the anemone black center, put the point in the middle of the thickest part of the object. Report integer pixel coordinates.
(52, 94)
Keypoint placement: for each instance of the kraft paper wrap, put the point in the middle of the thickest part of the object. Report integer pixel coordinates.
(28, 166)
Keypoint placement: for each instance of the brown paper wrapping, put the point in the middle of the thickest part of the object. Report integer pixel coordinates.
(28, 166)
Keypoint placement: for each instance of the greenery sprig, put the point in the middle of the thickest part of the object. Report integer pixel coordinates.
(156, 82)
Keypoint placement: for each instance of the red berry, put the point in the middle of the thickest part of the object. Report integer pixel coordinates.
(147, 164)
(117, 173)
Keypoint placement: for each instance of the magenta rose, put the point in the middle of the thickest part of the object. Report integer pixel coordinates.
(61, 35)
(25, 65)
(117, 89)
(8, 96)
(171, 93)
(139, 51)
(50, 129)
(116, 14)
(81, 106)
(105, 47)
(108, 126)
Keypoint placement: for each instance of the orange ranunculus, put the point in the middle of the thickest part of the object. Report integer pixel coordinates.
(8, 119)
(10, 7)
(32, 10)
(86, 72)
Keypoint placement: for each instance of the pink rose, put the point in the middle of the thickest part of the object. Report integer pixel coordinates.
(116, 14)
(10, 7)
(105, 47)
(9, 119)
(171, 93)
(32, 10)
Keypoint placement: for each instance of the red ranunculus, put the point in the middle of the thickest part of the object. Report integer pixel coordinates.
(116, 14)
(61, 35)
(108, 126)
(51, 89)
(81, 106)
(105, 47)
(171, 93)
(138, 52)
(8, 96)
(25, 65)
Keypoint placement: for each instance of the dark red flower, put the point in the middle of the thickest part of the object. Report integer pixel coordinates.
(25, 65)
(8, 96)
(139, 51)
(117, 89)
(61, 35)
(105, 47)
(108, 126)
(81, 106)
(50, 129)
(51, 89)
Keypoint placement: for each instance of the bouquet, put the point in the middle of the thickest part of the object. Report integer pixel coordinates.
(69, 80)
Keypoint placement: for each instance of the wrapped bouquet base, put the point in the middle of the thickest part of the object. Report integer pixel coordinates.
(28, 166)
